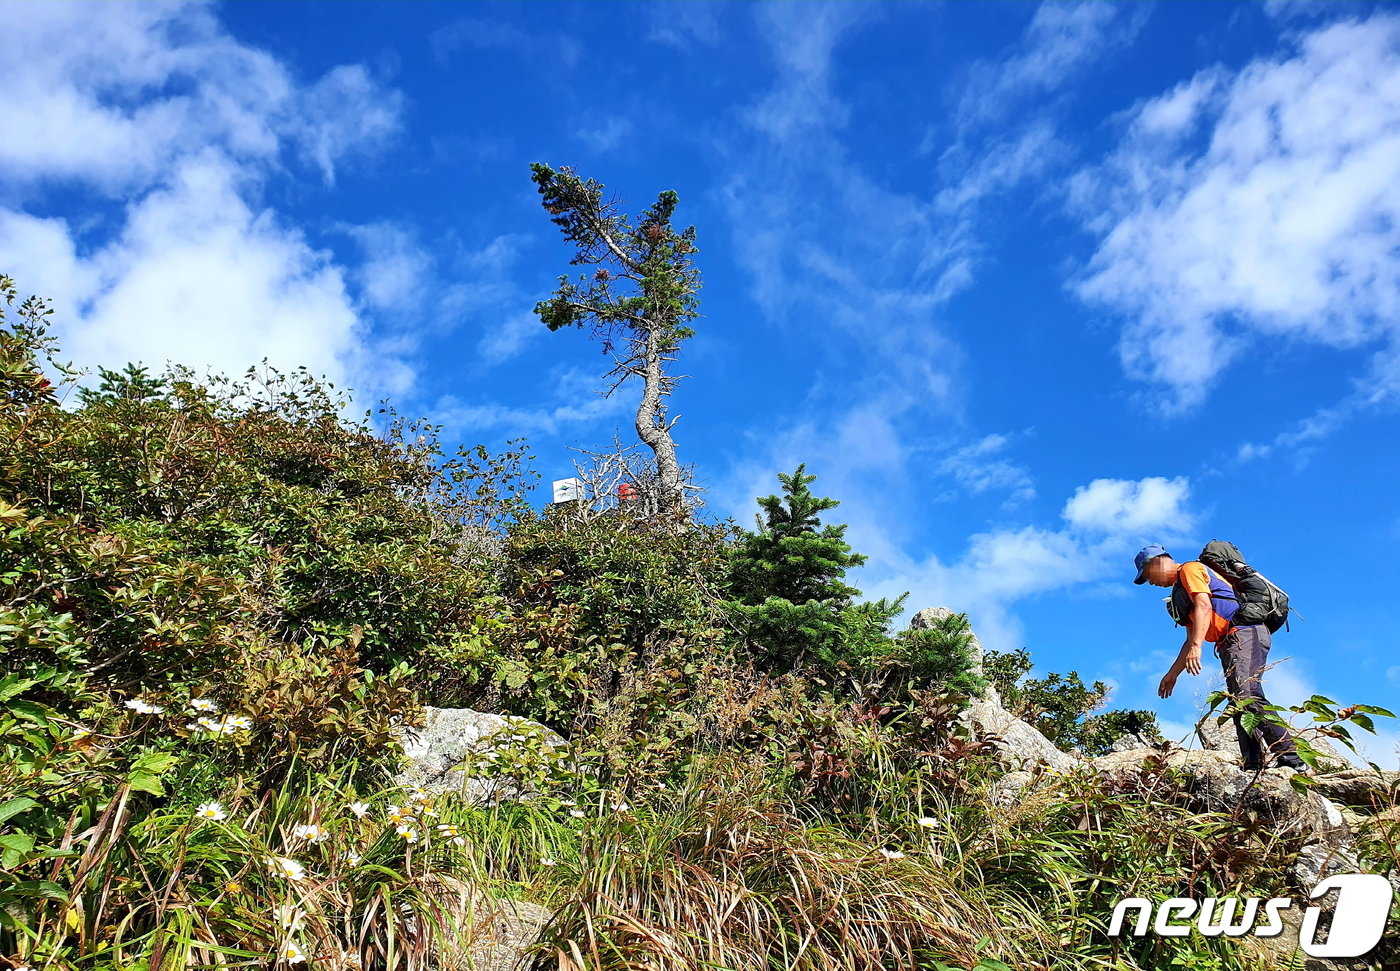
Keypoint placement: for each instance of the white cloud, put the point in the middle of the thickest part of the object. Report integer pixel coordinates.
(396, 269)
(1144, 509)
(1060, 40)
(606, 134)
(160, 108)
(1253, 207)
(981, 467)
(196, 277)
(573, 401)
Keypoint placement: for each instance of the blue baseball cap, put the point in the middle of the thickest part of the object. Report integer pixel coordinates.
(1146, 554)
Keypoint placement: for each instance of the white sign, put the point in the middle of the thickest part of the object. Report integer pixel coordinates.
(567, 490)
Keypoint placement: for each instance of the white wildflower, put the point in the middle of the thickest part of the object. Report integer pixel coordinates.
(359, 809)
(290, 953)
(289, 918)
(546, 861)
(577, 813)
(310, 832)
(408, 833)
(353, 859)
(291, 869)
(204, 704)
(211, 810)
(144, 707)
(621, 807)
(891, 854)
(927, 822)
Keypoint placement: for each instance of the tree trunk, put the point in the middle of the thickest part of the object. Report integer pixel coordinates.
(653, 429)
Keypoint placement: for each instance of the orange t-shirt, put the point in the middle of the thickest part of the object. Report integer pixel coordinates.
(1195, 577)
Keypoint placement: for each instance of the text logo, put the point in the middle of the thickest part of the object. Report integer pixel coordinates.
(1363, 904)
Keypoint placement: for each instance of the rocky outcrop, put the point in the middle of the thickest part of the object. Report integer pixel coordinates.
(1019, 745)
(481, 933)
(455, 745)
(1369, 790)
(1214, 783)
(1215, 737)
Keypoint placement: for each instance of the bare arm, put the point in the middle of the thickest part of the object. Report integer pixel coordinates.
(1189, 658)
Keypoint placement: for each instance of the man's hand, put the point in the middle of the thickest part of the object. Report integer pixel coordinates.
(1164, 690)
(1191, 658)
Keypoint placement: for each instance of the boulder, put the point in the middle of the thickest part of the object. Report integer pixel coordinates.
(1216, 737)
(1018, 744)
(1365, 789)
(1283, 951)
(483, 933)
(1215, 783)
(434, 755)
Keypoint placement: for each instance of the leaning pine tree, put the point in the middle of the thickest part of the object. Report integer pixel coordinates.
(789, 592)
(639, 300)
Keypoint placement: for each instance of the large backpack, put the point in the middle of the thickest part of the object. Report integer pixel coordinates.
(1261, 601)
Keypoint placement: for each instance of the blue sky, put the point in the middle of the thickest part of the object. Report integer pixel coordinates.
(1026, 286)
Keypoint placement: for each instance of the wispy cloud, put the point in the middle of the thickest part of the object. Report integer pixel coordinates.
(1060, 41)
(482, 33)
(983, 467)
(685, 25)
(570, 398)
(1244, 209)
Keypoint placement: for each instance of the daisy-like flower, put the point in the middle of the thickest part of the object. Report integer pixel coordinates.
(927, 822)
(448, 829)
(310, 832)
(621, 807)
(284, 867)
(211, 810)
(289, 918)
(233, 887)
(891, 854)
(359, 809)
(204, 704)
(577, 813)
(239, 722)
(409, 834)
(399, 814)
(353, 859)
(144, 707)
(567, 802)
(290, 953)
(546, 861)
(421, 796)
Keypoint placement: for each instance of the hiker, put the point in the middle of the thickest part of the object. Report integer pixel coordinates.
(1204, 602)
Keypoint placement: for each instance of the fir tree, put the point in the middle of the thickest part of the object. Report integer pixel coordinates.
(788, 580)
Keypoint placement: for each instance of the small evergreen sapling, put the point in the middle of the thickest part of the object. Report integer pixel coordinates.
(791, 600)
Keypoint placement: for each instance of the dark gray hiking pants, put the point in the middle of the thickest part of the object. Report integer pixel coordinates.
(1243, 654)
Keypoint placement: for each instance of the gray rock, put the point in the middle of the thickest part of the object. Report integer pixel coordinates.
(483, 933)
(1126, 743)
(1215, 783)
(1366, 789)
(435, 754)
(1019, 745)
(1216, 737)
